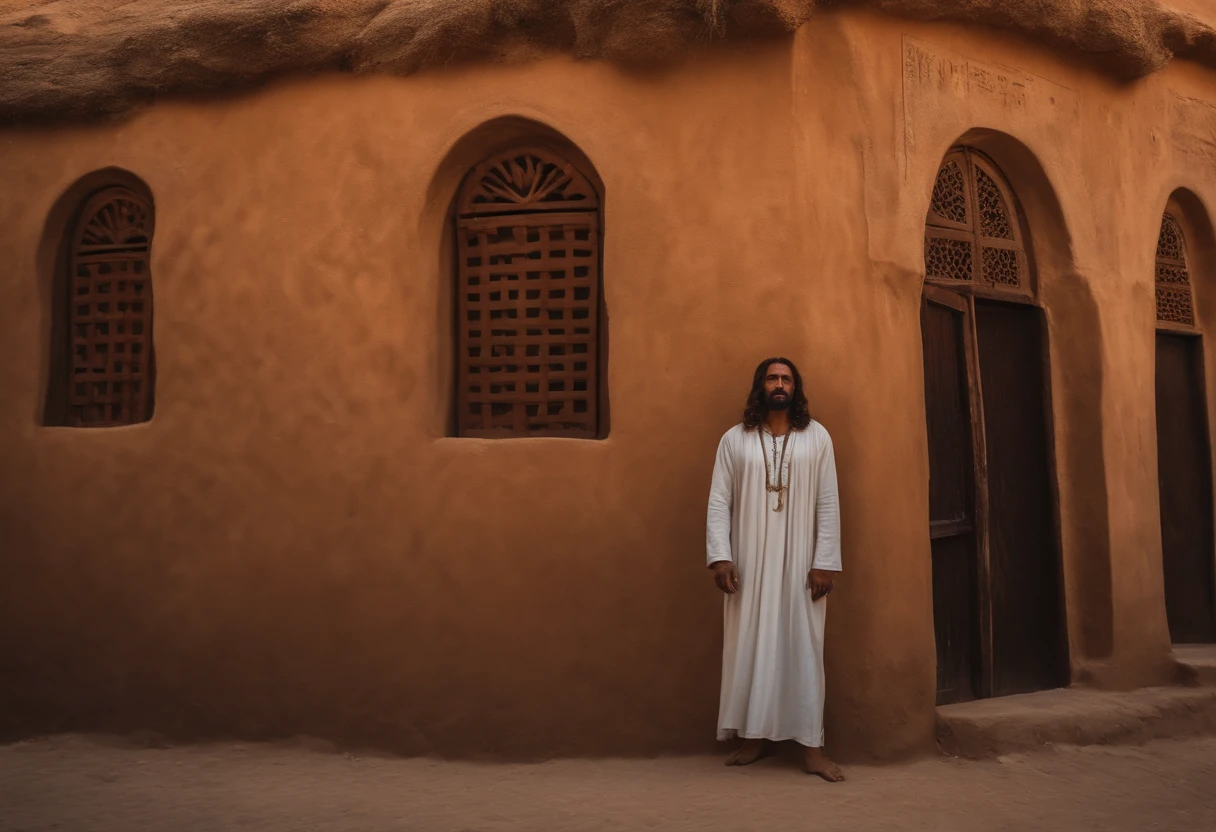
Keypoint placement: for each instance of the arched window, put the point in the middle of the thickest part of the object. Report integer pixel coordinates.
(528, 287)
(1174, 303)
(109, 312)
(972, 233)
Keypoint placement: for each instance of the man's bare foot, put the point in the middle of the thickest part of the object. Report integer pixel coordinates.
(816, 762)
(746, 754)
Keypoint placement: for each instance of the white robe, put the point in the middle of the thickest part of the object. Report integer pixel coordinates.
(772, 656)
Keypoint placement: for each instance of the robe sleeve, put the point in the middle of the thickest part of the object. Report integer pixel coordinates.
(721, 505)
(827, 509)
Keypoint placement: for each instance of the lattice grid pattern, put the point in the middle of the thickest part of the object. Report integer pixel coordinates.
(1174, 302)
(994, 215)
(1174, 305)
(1000, 265)
(947, 259)
(950, 193)
(971, 209)
(528, 282)
(528, 309)
(1172, 274)
(110, 313)
(1169, 242)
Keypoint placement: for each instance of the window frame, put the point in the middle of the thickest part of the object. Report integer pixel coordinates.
(970, 230)
(496, 195)
(1163, 324)
(119, 242)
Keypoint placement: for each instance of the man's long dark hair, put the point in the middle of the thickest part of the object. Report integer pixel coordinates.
(757, 408)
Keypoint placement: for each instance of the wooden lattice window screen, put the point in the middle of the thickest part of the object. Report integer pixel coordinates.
(110, 312)
(528, 285)
(1174, 301)
(972, 234)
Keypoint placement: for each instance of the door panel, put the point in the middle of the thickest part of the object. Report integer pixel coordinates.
(1185, 490)
(1028, 644)
(954, 618)
(951, 500)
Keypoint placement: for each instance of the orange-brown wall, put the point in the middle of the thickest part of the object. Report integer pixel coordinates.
(292, 545)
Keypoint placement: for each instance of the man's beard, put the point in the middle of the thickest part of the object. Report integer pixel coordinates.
(774, 402)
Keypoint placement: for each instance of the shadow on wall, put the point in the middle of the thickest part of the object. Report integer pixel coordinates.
(1076, 351)
(1074, 398)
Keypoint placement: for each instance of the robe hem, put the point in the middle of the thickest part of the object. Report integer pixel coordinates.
(730, 734)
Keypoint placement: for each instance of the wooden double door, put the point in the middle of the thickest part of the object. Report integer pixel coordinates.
(997, 600)
(1184, 478)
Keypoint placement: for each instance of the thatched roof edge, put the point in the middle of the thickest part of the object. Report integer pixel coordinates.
(85, 59)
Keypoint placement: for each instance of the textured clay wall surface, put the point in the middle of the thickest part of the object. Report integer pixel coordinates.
(293, 546)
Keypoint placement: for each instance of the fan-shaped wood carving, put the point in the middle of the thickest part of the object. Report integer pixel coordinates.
(526, 180)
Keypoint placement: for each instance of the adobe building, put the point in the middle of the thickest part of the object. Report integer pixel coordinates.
(365, 361)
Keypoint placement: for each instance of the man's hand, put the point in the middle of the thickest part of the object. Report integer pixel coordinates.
(726, 576)
(819, 582)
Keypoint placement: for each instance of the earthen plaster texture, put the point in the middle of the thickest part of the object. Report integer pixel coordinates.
(294, 545)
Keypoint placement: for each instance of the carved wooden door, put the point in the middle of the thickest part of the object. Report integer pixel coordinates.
(997, 604)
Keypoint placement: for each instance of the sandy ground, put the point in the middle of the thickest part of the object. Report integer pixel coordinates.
(79, 783)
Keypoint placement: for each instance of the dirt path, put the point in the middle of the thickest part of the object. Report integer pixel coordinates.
(83, 784)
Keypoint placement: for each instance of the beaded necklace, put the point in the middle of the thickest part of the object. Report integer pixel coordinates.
(783, 484)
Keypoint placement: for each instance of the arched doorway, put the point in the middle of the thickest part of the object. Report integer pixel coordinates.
(997, 598)
(1184, 472)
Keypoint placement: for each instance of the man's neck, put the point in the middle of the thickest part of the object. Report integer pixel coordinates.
(777, 422)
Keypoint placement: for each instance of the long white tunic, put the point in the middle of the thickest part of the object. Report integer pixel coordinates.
(772, 656)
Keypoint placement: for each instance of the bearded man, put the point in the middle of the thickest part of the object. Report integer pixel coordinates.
(773, 541)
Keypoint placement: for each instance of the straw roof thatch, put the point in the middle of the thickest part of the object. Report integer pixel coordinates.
(81, 59)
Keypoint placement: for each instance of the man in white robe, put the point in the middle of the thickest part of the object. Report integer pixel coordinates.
(773, 541)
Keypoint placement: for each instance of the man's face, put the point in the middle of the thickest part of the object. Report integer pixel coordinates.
(778, 386)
